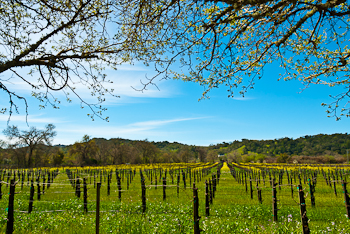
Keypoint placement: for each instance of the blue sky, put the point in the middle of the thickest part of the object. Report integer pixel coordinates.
(273, 109)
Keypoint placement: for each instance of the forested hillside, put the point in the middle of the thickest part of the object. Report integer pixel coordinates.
(99, 151)
(308, 145)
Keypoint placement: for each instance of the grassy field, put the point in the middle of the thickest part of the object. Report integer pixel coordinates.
(232, 211)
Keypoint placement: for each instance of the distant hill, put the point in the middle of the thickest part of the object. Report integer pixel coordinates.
(309, 145)
(320, 144)
(162, 145)
(319, 148)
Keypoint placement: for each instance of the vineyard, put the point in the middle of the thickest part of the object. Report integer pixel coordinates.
(176, 198)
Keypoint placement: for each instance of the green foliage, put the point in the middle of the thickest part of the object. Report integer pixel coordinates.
(62, 44)
(28, 141)
(260, 158)
(282, 158)
(321, 144)
(252, 157)
(84, 151)
(58, 158)
(230, 43)
(66, 43)
(248, 158)
(330, 159)
(242, 149)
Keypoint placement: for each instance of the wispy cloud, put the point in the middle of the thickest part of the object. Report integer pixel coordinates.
(29, 119)
(129, 128)
(157, 123)
(137, 130)
(127, 67)
(242, 98)
(126, 82)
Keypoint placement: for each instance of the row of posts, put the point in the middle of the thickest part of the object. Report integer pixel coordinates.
(311, 184)
(210, 194)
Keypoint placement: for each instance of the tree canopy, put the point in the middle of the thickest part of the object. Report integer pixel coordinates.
(52, 46)
(55, 45)
(85, 149)
(227, 42)
(30, 139)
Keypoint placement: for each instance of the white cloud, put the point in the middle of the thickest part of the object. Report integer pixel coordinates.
(242, 98)
(138, 130)
(29, 119)
(157, 123)
(130, 128)
(127, 67)
(126, 81)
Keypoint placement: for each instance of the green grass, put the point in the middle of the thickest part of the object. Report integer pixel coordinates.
(232, 211)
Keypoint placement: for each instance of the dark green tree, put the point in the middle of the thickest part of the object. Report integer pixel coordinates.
(85, 150)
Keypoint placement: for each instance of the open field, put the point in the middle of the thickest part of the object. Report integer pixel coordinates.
(233, 210)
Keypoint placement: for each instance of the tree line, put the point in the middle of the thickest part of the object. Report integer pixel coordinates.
(317, 148)
(32, 148)
(307, 145)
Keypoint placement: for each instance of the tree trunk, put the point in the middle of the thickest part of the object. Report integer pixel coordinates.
(29, 164)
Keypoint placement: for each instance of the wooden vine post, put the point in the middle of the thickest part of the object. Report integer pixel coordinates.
(304, 219)
(312, 196)
(258, 193)
(119, 188)
(184, 178)
(31, 197)
(9, 227)
(195, 210)
(108, 185)
(38, 185)
(85, 195)
(98, 207)
(251, 187)
(218, 176)
(274, 201)
(210, 193)
(77, 187)
(43, 185)
(334, 186)
(206, 199)
(127, 181)
(143, 194)
(346, 198)
(48, 181)
(164, 187)
(178, 184)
